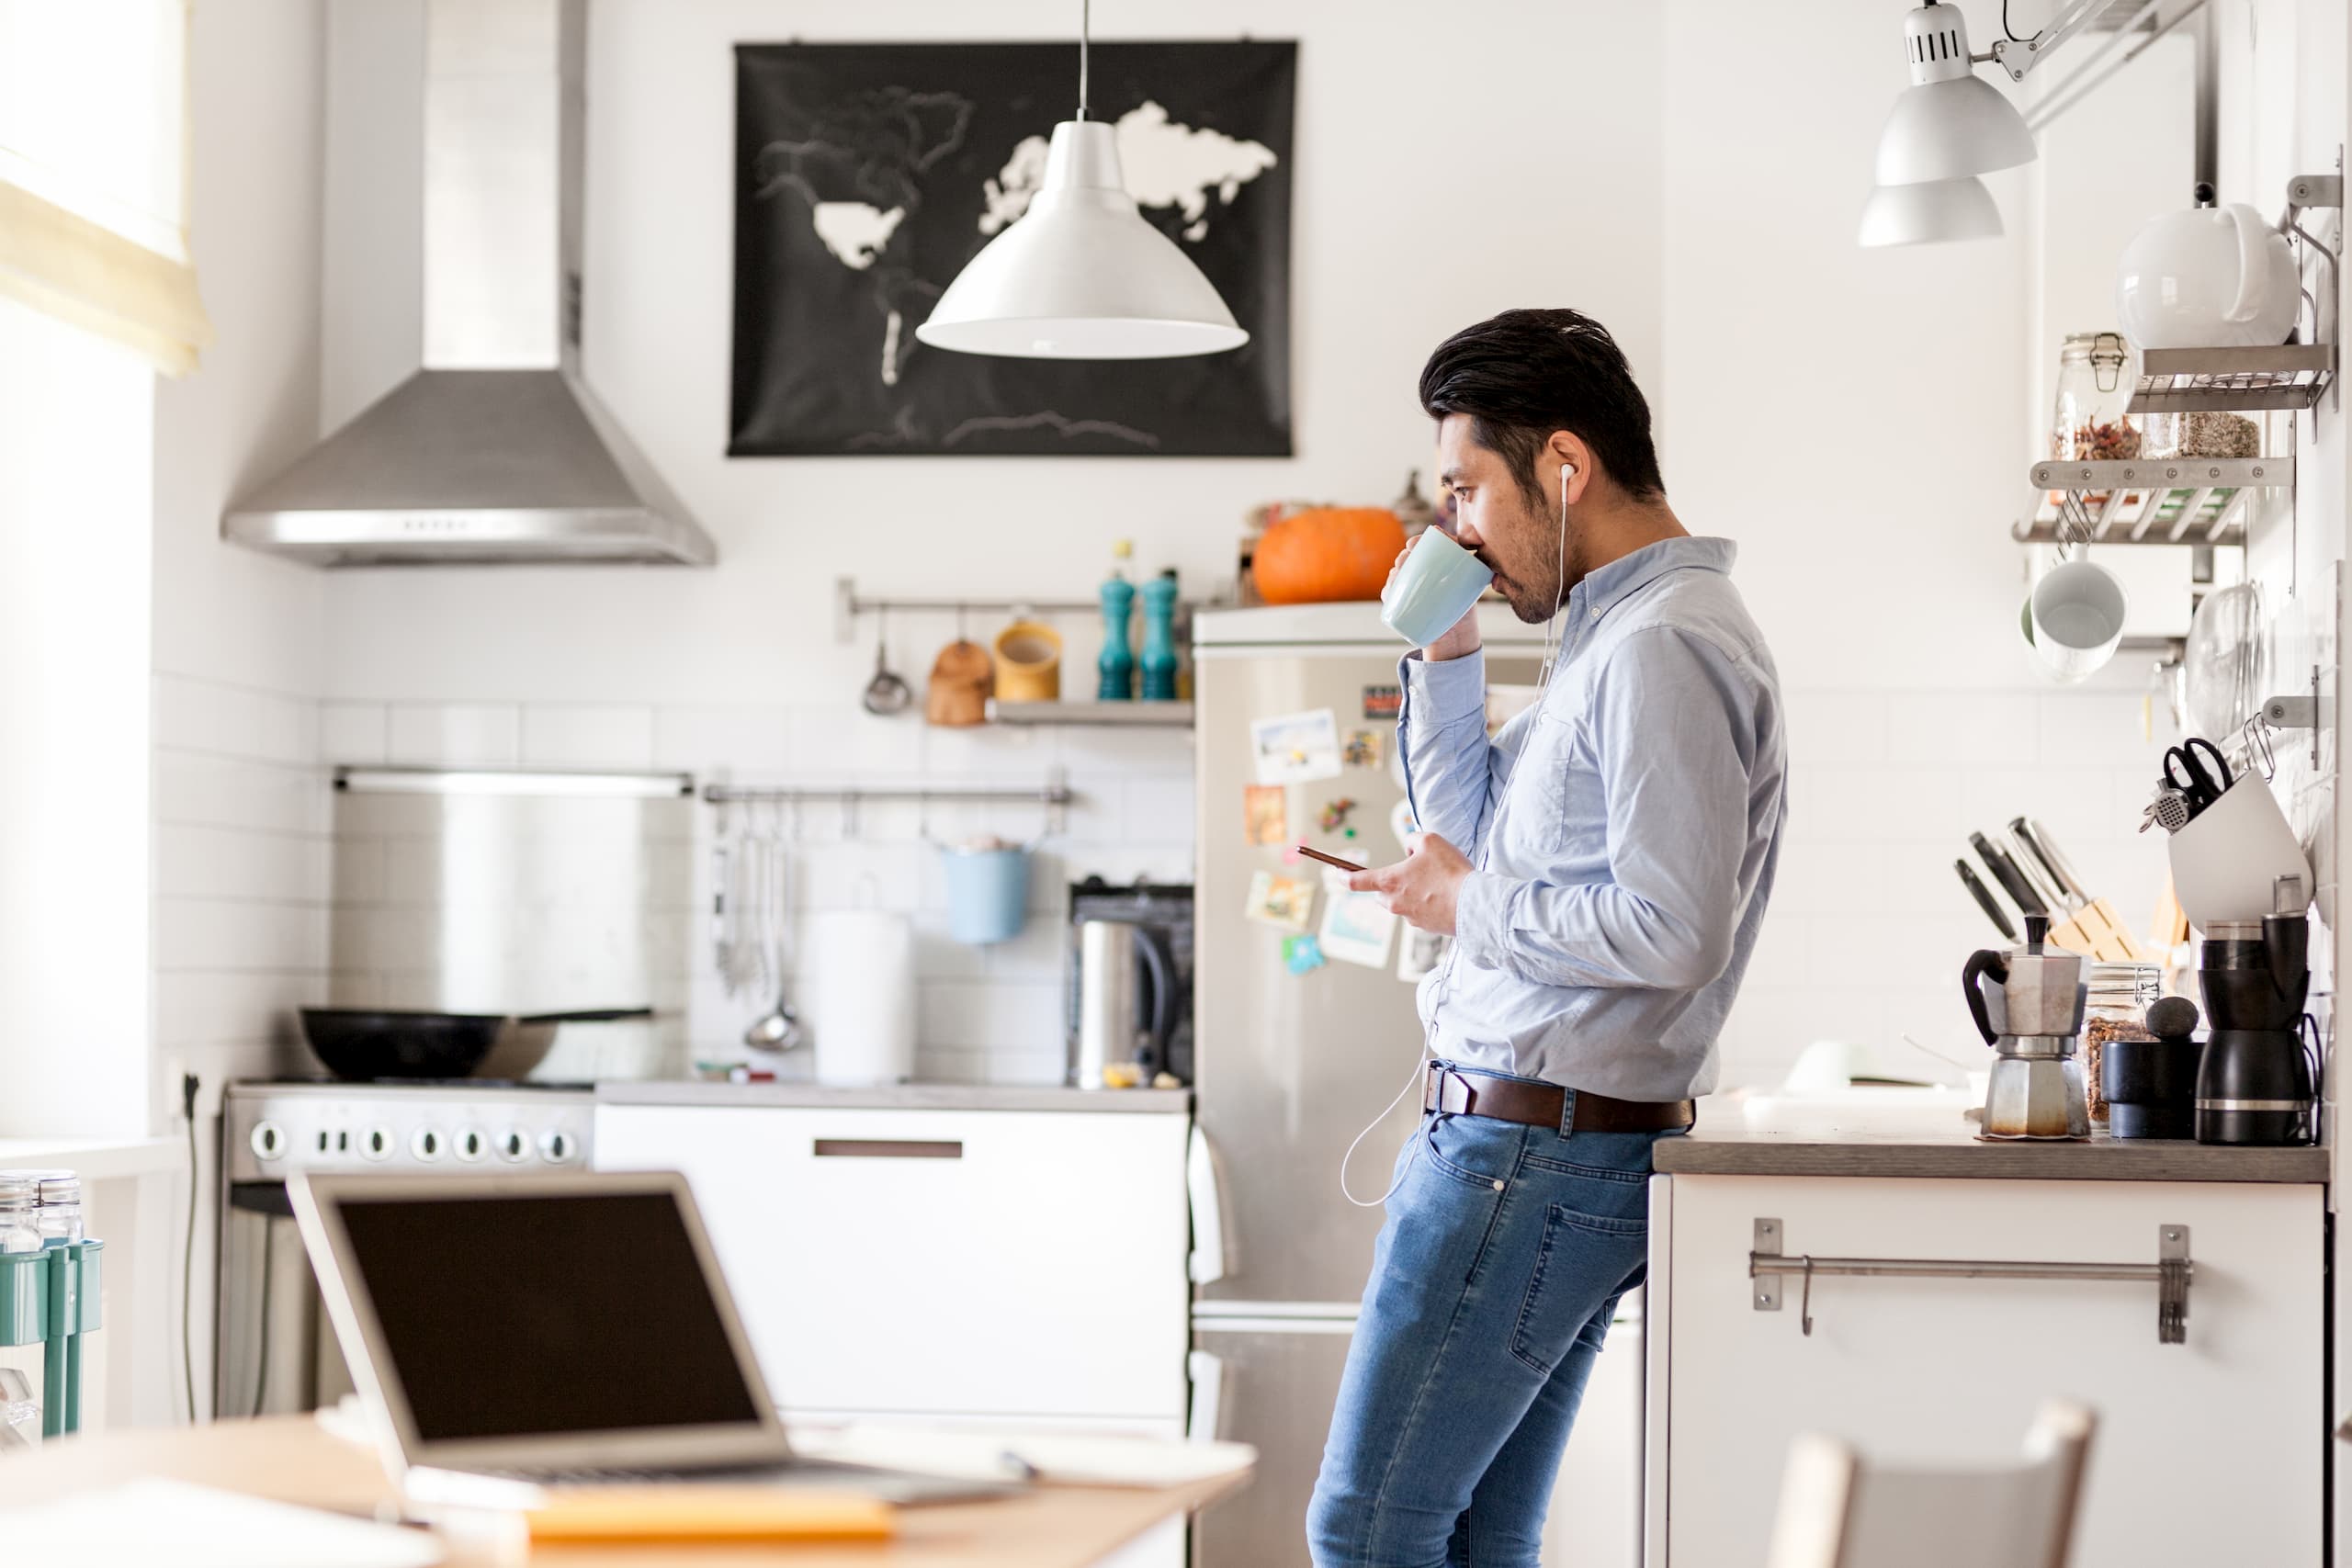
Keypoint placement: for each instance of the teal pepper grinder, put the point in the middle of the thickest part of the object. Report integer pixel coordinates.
(1159, 639)
(1117, 665)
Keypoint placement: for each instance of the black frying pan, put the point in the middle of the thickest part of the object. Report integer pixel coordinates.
(361, 1043)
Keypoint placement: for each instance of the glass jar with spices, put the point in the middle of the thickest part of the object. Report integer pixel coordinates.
(2087, 421)
(2117, 1010)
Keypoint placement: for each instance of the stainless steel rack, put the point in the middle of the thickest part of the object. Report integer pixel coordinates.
(1111, 715)
(1054, 795)
(849, 604)
(2176, 501)
(2232, 381)
(2173, 1272)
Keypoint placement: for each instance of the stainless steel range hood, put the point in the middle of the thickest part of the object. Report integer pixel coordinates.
(495, 451)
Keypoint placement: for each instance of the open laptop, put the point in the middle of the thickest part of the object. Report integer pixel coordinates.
(509, 1334)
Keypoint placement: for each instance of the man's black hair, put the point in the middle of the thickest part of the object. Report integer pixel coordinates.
(1524, 374)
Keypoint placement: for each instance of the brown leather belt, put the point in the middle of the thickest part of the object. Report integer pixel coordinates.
(1464, 1091)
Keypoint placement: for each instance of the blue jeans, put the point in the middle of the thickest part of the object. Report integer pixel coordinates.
(1493, 1283)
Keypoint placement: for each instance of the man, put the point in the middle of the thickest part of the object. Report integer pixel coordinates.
(1603, 866)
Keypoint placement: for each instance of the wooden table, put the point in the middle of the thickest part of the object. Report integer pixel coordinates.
(289, 1459)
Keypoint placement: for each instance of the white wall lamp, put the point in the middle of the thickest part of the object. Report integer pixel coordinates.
(1081, 274)
(1950, 126)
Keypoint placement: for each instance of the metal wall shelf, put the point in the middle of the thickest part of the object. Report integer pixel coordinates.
(1115, 715)
(2178, 501)
(2232, 381)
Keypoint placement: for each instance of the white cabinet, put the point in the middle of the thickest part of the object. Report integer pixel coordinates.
(1594, 1520)
(1016, 1264)
(2207, 1451)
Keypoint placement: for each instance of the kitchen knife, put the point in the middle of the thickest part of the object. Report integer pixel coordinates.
(2068, 928)
(2111, 938)
(1986, 900)
(2012, 881)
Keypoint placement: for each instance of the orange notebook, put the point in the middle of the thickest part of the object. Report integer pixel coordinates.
(694, 1513)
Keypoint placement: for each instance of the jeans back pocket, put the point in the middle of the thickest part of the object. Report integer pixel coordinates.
(1585, 1261)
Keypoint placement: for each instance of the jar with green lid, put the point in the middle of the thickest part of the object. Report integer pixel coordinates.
(2121, 995)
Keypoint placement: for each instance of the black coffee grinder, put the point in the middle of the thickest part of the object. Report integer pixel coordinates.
(2257, 1083)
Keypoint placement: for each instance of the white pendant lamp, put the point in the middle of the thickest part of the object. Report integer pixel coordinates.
(1081, 274)
(1923, 214)
(1950, 123)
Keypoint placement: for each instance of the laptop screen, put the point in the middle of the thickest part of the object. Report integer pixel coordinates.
(516, 1315)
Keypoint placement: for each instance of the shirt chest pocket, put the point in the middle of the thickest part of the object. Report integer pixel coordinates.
(1555, 791)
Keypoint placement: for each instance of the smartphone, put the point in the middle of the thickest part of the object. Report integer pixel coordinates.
(1328, 860)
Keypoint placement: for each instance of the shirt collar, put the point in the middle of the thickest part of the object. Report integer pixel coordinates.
(1603, 588)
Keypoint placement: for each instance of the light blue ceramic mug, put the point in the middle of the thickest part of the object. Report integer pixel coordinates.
(1435, 588)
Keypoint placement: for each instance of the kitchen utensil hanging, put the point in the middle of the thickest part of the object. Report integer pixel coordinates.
(886, 694)
(778, 1028)
(2225, 667)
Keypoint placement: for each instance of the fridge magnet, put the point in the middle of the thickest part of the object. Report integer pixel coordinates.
(1356, 928)
(1420, 952)
(1507, 702)
(1334, 816)
(1384, 702)
(1401, 823)
(1363, 749)
(1279, 900)
(1265, 814)
(1296, 747)
(1302, 954)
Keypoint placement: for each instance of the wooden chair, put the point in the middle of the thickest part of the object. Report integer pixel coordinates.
(1836, 1512)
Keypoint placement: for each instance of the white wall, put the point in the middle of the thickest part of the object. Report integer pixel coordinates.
(1852, 418)
(1408, 226)
(240, 802)
(74, 639)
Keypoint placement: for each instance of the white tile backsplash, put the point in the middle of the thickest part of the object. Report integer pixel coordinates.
(585, 735)
(358, 733)
(456, 735)
(238, 888)
(1864, 939)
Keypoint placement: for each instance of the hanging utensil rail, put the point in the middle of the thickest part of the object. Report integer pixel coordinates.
(848, 607)
(1054, 795)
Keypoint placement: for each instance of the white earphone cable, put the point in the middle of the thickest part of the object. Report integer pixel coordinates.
(1445, 977)
(1559, 583)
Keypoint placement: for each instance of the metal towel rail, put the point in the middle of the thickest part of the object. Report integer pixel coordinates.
(2171, 1274)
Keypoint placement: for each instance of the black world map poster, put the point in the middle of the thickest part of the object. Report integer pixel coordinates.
(867, 174)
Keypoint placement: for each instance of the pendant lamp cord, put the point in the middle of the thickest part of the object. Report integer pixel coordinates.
(1085, 26)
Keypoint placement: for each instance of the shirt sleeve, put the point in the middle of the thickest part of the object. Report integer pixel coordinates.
(1441, 735)
(1674, 735)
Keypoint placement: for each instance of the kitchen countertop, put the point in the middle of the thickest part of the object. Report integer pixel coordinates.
(896, 1096)
(1861, 1144)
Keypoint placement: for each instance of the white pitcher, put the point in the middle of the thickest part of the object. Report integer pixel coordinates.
(2208, 277)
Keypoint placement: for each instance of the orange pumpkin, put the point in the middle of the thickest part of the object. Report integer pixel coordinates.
(1327, 552)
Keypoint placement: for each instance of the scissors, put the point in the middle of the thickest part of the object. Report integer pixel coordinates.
(2200, 786)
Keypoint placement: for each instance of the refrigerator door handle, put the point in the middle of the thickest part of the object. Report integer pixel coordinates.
(1208, 1264)
(1207, 1371)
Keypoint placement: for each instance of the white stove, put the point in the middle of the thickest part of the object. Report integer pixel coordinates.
(461, 1127)
(273, 1351)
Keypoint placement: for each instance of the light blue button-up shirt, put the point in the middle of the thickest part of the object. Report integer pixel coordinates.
(1622, 832)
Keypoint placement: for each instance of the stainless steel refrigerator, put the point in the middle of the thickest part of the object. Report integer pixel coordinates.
(1289, 1067)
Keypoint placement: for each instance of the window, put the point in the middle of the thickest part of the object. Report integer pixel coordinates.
(92, 134)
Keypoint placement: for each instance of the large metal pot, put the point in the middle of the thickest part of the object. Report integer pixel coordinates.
(363, 1044)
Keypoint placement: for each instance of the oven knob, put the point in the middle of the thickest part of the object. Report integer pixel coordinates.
(472, 1145)
(425, 1143)
(268, 1140)
(559, 1146)
(377, 1142)
(514, 1146)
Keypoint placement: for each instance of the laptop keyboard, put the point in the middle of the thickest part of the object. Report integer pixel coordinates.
(639, 1477)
